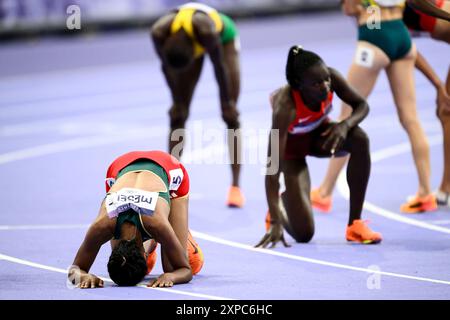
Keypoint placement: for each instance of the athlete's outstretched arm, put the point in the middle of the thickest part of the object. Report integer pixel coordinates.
(210, 40)
(97, 234)
(178, 269)
(283, 115)
(430, 9)
(351, 97)
(178, 219)
(443, 99)
(159, 32)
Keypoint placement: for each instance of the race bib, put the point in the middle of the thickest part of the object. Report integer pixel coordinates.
(176, 177)
(140, 201)
(390, 3)
(365, 57)
(110, 182)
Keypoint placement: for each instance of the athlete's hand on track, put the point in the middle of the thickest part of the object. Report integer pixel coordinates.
(164, 280)
(89, 281)
(336, 135)
(274, 235)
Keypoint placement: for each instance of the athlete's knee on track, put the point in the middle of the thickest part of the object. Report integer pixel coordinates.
(303, 234)
(301, 229)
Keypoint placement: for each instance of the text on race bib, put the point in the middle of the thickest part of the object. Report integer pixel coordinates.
(140, 201)
(176, 177)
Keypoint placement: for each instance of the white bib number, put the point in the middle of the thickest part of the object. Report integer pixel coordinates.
(176, 177)
(365, 57)
(390, 3)
(140, 201)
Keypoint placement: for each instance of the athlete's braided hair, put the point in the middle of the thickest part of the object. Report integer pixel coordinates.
(126, 265)
(298, 62)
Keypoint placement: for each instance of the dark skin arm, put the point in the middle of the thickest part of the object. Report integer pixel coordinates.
(283, 115)
(337, 134)
(443, 99)
(98, 234)
(430, 9)
(210, 40)
(160, 31)
(178, 220)
(351, 7)
(175, 263)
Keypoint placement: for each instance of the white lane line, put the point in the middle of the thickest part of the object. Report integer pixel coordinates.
(59, 270)
(233, 244)
(378, 156)
(440, 222)
(77, 124)
(43, 227)
(229, 243)
(80, 143)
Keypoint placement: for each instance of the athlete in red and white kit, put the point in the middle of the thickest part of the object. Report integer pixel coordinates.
(300, 114)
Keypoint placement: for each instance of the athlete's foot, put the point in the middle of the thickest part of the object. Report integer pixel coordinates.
(358, 231)
(418, 204)
(195, 254)
(152, 255)
(235, 198)
(320, 203)
(443, 198)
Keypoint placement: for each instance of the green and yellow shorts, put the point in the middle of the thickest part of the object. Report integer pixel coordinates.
(229, 32)
(392, 37)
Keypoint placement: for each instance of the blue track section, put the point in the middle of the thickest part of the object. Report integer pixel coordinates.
(68, 107)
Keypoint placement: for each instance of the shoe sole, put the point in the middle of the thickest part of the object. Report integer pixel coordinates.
(365, 241)
(233, 205)
(320, 207)
(420, 210)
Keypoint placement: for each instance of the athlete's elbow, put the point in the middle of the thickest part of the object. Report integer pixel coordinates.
(365, 108)
(362, 107)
